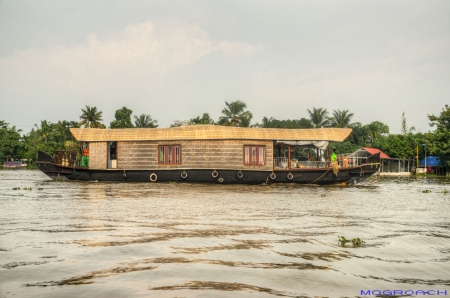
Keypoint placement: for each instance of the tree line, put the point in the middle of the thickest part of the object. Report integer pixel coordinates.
(49, 136)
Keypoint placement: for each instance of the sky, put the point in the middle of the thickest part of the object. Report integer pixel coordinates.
(176, 60)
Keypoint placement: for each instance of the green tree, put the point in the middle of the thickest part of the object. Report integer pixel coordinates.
(244, 120)
(123, 118)
(266, 122)
(145, 121)
(233, 112)
(274, 123)
(376, 129)
(49, 137)
(396, 146)
(10, 141)
(359, 135)
(91, 118)
(205, 119)
(404, 126)
(319, 117)
(341, 119)
(405, 129)
(44, 131)
(344, 147)
(177, 123)
(440, 139)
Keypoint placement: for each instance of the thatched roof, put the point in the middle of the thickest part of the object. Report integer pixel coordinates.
(209, 132)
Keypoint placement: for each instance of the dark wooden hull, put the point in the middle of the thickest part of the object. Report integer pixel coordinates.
(300, 176)
(317, 176)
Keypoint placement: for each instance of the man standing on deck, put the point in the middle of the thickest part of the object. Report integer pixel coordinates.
(333, 155)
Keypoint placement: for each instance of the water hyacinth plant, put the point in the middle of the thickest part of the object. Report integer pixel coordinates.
(356, 242)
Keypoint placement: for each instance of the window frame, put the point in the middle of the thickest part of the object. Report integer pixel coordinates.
(166, 155)
(250, 158)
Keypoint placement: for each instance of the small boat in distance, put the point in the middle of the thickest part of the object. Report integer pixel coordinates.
(15, 163)
(204, 154)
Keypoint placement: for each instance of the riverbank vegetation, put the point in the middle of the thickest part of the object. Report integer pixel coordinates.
(47, 136)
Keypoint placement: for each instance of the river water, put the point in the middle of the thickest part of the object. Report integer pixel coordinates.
(81, 239)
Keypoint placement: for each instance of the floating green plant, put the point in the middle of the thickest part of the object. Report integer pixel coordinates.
(445, 191)
(323, 195)
(16, 188)
(356, 242)
(29, 188)
(426, 191)
(40, 188)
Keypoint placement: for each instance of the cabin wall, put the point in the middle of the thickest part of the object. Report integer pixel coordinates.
(97, 155)
(196, 154)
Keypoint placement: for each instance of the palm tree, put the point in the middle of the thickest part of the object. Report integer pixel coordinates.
(178, 123)
(266, 122)
(233, 113)
(205, 119)
(319, 117)
(145, 121)
(3, 124)
(244, 120)
(44, 130)
(91, 118)
(341, 119)
(15, 130)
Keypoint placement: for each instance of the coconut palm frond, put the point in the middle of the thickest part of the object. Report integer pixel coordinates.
(319, 117)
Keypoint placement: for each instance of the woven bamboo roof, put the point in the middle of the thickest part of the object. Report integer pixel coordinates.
(209, 132)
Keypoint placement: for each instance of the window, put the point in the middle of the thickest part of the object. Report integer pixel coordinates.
(169, 155)
(254, 155)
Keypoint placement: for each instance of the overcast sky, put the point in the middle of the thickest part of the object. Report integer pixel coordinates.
(180, 59)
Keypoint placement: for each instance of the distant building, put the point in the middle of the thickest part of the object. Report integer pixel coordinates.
(389, 166)
(431, 161)
(433, 167)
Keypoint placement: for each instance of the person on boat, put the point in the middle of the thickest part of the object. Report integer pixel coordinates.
(334, 162)
(333, 156)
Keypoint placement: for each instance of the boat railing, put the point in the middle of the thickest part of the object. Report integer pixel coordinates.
(282, 163)
(346, 161)
(309, 164)
(68, 159)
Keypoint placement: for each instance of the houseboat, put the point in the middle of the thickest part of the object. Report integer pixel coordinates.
(204, 154)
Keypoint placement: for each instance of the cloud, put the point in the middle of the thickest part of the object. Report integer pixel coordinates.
(238, 48)
(137, 50)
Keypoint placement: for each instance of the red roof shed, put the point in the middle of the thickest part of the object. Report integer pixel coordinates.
(375, 150)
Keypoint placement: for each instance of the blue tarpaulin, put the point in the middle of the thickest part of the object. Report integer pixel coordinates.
(432, 161)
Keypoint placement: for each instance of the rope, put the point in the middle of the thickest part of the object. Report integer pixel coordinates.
(334, 167)
(74, 167)
(321, 176)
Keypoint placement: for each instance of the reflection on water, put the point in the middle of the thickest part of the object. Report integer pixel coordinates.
(187, 240)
